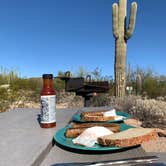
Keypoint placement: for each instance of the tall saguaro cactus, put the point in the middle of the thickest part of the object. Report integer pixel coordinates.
(121, 34)
(138, 84)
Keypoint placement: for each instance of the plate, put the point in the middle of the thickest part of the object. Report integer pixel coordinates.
(60, 138)
(77, 117)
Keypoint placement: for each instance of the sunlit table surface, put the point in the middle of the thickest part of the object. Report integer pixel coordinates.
(24, 143)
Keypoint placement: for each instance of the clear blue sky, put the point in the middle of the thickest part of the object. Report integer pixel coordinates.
(45, 36)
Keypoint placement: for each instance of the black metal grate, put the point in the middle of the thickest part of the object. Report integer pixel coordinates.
(84, 88)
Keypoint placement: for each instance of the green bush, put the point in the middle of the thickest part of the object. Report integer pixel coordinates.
(153, 84)
(4, 100)
(26, 84)
(58, 84)
(7, 76)
(154, 87)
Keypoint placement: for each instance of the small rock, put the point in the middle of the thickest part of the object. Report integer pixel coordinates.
(158, 145)
(133, 122)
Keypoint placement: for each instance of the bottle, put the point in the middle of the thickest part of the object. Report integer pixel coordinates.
(48, 99)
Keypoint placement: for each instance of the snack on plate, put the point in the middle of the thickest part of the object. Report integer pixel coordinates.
(74, 132)
(90, 135)
(93, 113)
(100, 116)
(130, 137)
(91, 118)
(86, 125)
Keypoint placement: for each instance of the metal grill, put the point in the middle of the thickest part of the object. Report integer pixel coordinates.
(85, 88)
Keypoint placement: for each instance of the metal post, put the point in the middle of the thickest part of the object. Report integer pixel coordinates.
(87, 101)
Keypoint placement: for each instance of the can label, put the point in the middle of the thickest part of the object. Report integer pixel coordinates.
(48, 114)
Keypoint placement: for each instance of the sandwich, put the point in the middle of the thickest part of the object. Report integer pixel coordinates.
(100, 116)
(130, 137)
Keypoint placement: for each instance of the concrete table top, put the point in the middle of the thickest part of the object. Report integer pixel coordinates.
(59, 155)
(23, 142)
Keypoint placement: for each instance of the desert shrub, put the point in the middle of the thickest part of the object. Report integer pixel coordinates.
(69, 99)
(32, 87)
(25, 84)
(58, 84)
(81, 72)
(8, 97)
(154, 87)
(151, 112)
(150, 86)
(153, 84)
(7, 76)
(4, 100)
(22, 91)
(100, 100)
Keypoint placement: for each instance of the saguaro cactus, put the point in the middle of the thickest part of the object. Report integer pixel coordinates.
(121, 34)
(138, 84)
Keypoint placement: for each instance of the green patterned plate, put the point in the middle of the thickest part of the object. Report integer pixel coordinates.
(60, 138)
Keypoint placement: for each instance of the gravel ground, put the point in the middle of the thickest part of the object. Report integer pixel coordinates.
(158, 145)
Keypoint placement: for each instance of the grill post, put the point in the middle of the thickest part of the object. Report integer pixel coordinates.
(87, 101)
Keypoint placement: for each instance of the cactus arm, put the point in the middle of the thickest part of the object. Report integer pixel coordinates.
(132, 20)
(115, 20)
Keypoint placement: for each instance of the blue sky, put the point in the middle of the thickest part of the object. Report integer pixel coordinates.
(46, 36)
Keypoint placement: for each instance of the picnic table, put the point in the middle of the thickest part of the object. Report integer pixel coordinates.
(24, 142)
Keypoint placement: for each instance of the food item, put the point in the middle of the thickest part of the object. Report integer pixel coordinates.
(93, 113)
(86, 125)
(89, 136)
(111, 112)
(74, 132)
(102, 115)
(130, 137)
(94, 118)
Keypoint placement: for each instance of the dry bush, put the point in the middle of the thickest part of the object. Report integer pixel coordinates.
(151, 112)
(68, 100)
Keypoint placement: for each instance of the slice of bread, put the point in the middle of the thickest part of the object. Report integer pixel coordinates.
(97, 118)
(130, 137)
(74, 132)
(77, 128)
(86, 125)
(93, 113)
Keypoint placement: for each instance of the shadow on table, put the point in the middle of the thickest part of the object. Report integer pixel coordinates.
(39, 118)
(83, 164)
(92, 152)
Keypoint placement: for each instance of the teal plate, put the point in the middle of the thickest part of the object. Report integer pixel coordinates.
(77, 117)
(60, 138)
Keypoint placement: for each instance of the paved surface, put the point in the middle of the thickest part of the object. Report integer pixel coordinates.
(22, 141)
(58, 155)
